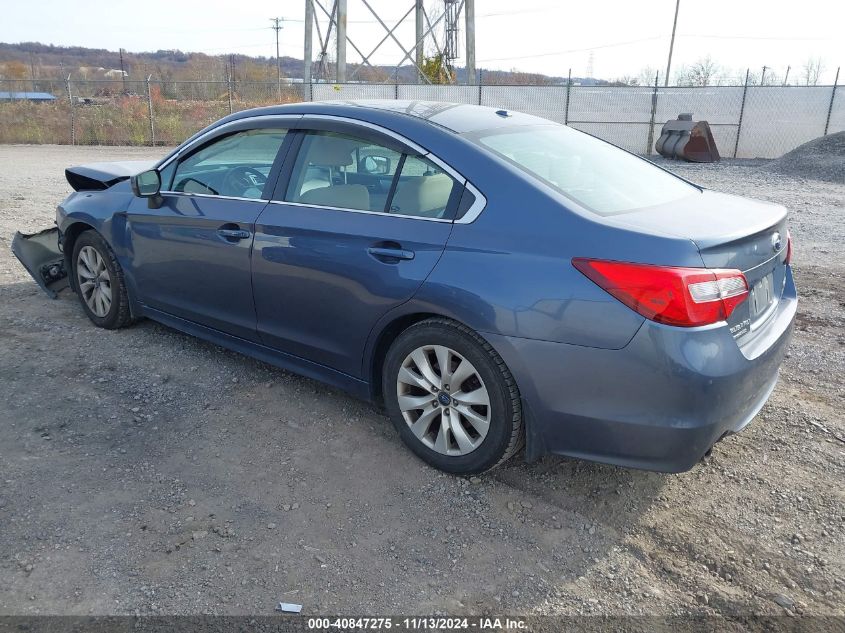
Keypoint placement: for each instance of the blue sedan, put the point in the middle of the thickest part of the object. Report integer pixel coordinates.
(495, 279)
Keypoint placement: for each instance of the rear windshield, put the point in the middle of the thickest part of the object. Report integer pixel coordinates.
(598, 176)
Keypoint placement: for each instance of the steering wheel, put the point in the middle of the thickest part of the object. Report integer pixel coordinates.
(238, 180)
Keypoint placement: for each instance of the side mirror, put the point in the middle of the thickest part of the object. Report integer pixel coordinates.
(147, 184)
(375, 165)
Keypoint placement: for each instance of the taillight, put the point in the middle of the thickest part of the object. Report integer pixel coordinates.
(788, 259)
(685, 297)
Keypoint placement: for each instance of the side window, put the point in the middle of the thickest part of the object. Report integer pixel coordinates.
(423, 189)
(237, 165)
(336, 170)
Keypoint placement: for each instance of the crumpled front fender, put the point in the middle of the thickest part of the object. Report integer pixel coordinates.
(41, 254)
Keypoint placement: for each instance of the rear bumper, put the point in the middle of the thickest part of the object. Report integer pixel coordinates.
(660, 403)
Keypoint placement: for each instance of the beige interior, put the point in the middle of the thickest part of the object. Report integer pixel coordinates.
(343, 196)
(426, 195)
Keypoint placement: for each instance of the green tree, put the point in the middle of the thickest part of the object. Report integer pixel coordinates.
(436, 70)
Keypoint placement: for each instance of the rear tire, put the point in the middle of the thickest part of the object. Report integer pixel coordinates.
(464, 420)
(99, 282)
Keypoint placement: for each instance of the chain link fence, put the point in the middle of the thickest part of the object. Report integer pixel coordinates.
(747, 121)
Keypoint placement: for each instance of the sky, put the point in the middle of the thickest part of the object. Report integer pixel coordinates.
(621, 37)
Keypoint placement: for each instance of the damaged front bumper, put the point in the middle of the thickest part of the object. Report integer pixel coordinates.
(41, 254)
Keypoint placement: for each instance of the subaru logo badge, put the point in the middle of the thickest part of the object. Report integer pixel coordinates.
(776, 242)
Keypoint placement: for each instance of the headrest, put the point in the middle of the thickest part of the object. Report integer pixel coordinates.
(331, 151)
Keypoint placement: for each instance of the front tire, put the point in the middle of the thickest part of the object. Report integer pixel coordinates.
(451, 397)
(99, 282)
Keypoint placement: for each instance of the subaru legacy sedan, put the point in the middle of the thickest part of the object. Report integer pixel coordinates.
(495, 279)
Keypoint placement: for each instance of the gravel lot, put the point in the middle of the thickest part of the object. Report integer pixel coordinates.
(144, 471)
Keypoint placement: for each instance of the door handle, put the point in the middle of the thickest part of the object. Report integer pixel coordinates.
(233, 234)
(387, 254)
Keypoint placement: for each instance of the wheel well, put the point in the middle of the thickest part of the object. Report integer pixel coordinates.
(387, 336)
(68, 240)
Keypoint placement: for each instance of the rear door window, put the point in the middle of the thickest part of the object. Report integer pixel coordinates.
(423, 189)
(346, 172)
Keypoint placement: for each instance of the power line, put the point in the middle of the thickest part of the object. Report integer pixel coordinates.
(574, 50)
(756, 37)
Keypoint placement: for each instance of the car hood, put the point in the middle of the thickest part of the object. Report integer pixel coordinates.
(99, 176)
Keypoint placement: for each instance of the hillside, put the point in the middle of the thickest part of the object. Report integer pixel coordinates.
(27, 60)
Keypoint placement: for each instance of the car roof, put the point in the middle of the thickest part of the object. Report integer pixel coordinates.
(460, 118)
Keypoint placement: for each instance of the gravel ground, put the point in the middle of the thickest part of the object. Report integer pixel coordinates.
(144, 471)
(822, 158)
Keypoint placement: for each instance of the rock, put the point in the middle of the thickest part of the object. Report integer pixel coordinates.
(783, 600)
(271, 526)
(526, 504)
(286, 507)
(796, 539)
(192, 503)
(475, 480)
(702, 598)
(199, 534)
(511, 506)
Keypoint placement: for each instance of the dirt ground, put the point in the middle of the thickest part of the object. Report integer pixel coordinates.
(144, 471)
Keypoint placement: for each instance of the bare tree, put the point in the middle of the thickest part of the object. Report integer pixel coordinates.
(646, 76)
(679, 75)
(702, 72)
(625, 80)
(772, 78)
(812, 70)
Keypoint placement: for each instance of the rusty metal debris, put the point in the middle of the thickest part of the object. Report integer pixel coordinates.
(688, 140)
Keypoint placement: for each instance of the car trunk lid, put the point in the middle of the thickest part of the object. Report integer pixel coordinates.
(731, 233)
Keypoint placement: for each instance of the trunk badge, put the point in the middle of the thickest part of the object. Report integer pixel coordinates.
(776, 242)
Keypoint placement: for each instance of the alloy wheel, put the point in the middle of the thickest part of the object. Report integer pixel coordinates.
(94, 281)
(443, 400)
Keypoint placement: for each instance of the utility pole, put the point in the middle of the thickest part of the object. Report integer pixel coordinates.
(308, 44)
(672, 44)
(277, 26)
(419, 16)
(122, 71)
(469, 19)
(32, 70)
(763, 76)
(341, 42)
(786, 76)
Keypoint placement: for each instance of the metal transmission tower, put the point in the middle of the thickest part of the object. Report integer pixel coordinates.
(450, 48)
(335, 12)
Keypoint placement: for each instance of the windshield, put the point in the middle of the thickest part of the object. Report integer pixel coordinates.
(595, 174)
